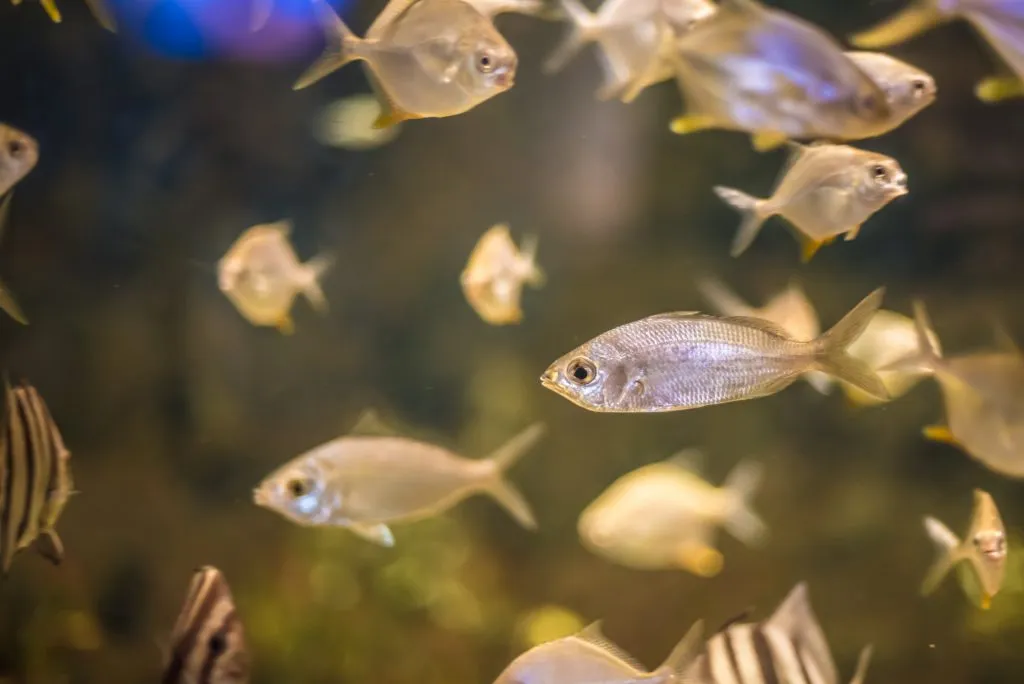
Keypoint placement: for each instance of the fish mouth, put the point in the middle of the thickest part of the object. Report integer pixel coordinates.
(549, 378)
(260, 497)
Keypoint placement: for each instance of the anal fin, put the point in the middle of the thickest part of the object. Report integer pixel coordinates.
(285, 324)
(809, 247)
(50, 547)
(690, 123)
(940, 433)
(378, 533)
(766, 141)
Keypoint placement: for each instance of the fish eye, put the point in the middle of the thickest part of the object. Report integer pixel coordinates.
(298, 488)
(15, 148)
(217, 644)
(581, 371)
(919, 86)
(879, 172)
(485, 63)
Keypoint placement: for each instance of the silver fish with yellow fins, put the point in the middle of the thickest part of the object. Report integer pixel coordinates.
(980, 557)
(789, 647)
(35, 476)
(208, 641)
(427, 58)
(684, 360)
(664, 515)
(983, 394)
(372, 478)
(261, 275)
(824, 191)
(907, 88)
(1000, 22)
(767, 72)
(588, 658)
(495, 273)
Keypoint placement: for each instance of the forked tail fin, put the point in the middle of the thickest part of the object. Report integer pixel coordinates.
(832, 357)
(583, 28)
(503, 491)
(754, 213)
(337, 53)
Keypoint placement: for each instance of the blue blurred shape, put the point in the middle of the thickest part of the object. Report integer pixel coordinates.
(169, 29)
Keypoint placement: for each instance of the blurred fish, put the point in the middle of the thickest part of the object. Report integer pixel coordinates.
(348, 123)
(492, 8)
(685, 359)
(789, 309)
(7, 301)
(664, 515)
(889, 337)
(589, 658)
(984, 397)
(427, 58)
(1000, 22)
(365, 482)
(788, 647)
(99, 10)
(493, 278)
(208, 641)
(19, 153)
(261, 275)
(761, 70)
(907, 89)
(824, 191)
(35, 476)
(980, 558)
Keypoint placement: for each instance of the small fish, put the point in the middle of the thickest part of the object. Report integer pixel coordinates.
(494, 275)
(664, 515)
(589, 658)
(684, 360)
(98, 8)
(764, 71)
(980, 557)
(348, 123)
(790, 309)
(19, 153)
(907, 89)
(889, 337)
(366, 482)
(261, 275)
(208, 641)
(984, 397)
(824, 191)
(1000, 22)
(35, 476)
(427, 58)
(789, 647)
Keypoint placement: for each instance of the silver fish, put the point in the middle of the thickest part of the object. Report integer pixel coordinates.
(495, 273)
(907, 89)
(980, 557)
(589, 658)
(261, 275)
(789, 647)
(366, 482)
(428, 58)
(1000, 22)
(684, 360)
(208, 641)
(35, 476)
(767, 72)
(824, 191)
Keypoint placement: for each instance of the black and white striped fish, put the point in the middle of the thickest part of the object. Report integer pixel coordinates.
(787, 648)
(35, 476)
(208, 642)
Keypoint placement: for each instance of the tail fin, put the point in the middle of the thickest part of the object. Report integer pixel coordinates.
(338, 52)
(501, 489)
(929, 351)
(8, 304)
(863, 661)
(946, 544)
(742, 522)
(685, 652)
(722, 299)
(583, 28)
(312, 271)
(832, 357)
(528, 253)
(918, 17)
(754, 214)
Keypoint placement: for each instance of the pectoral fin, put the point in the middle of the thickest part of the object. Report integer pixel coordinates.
(851, 234)
(690, 123)
(50, 547)
(998, 88)
(940, 433)
(285, 324)
(703, 561)
(378, 534)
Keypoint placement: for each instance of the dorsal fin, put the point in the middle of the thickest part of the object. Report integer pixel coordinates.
(593, 635)
(796, 620)
(284, 227)
(387, 16)
(690, 460)
(370, 424)
(669, 315)
(759, 324)
(742, 616)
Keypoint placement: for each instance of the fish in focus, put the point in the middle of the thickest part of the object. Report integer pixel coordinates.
(790, 309)
(348, 123)
(789, 647)
(35, 476)
(984, 397)
(365, 482)
(664, 515)
(1000, 22)
(685, 359)
(889, 337)
(208, 641)
(426, 58)
(261, 275)
(495, 273)
(824, 191)
(589, 658)
(98, 8)
(980, 558)
(907, 89)
(767, 72)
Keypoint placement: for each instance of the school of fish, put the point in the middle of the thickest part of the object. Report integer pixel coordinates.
(739, 66)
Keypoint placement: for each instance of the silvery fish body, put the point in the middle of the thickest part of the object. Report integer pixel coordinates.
(684, 360)
(907, 89)
(764, 71)
(364, 483)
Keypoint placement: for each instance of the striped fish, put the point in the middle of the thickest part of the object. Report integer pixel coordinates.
(208, 642)
(787, 648)
(35, 476)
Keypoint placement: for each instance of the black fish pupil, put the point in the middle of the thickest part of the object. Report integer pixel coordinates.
(297, 488)
(217, 644)
(580, 373)
(14, 147)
